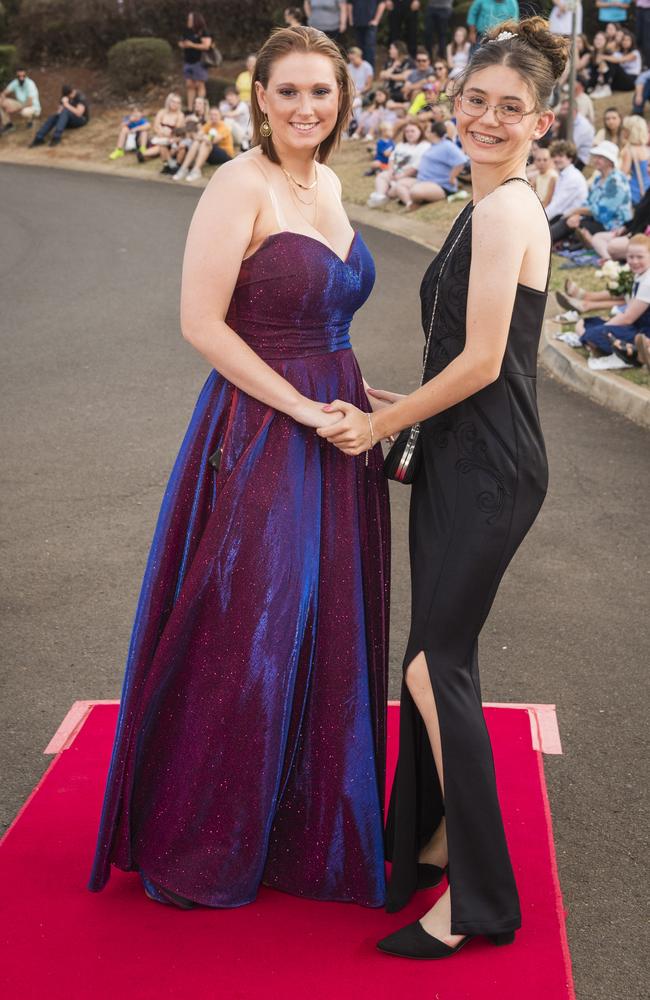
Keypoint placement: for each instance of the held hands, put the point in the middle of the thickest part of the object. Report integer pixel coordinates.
(354, 431)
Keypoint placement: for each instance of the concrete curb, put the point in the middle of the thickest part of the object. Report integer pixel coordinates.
(617, 394)
(608, 389)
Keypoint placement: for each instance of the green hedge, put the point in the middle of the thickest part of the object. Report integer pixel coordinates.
(137, 62)
(8, 63)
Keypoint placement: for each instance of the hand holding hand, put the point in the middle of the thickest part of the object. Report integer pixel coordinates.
(311, 413)
(353, 433)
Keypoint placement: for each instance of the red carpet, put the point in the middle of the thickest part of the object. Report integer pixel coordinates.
(61, 942)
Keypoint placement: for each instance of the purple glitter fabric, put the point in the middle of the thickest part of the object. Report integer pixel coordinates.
(250, 743)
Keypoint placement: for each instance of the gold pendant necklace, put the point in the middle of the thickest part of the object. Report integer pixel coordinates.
(305, 187)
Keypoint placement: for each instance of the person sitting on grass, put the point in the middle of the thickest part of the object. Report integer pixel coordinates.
(396, 70)
(410, 146)
(384, 147)
(611, 341)
(133, 135)
(608, 204)
(181, 143)
(438, 112)
(72, 112)
(237, 114)
(213, 146)
(20, 97)
(635, 156)
(375, 115)
(545, 175)
(437, 173)
(613, 245)
(166, 120)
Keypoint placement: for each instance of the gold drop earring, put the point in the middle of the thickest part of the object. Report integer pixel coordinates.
(266, 129)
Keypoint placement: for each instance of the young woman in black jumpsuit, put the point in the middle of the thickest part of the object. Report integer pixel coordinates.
(480, 486)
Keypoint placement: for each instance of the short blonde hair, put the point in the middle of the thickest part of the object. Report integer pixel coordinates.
(640, 240)
(282, 43)
(637, 130)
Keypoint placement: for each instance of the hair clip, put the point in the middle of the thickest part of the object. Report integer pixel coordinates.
(504, 36)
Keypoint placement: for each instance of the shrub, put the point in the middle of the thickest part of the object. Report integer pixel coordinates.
(8, 62)
(137, 62)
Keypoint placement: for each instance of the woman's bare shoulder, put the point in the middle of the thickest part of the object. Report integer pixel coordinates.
(513, 208)
(240, 176)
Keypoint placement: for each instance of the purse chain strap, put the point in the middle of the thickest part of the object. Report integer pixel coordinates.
(435, 298)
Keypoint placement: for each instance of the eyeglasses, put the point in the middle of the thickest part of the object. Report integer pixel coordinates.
(506, 114)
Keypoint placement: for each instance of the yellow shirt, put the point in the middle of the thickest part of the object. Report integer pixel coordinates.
(244, 84)
(220, 135)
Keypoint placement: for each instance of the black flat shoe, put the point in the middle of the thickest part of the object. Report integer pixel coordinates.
(413, 941)
(429, 876)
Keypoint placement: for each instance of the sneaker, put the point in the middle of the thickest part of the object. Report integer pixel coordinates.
(376, 199)
(603, 91)
(140, 154)
(180, 174)
(7, 128)
(461, 195)
(607, 363)
(54, 141)
(36, 142)
(572, 339)
(117, 154)
(194, 175)
(568, 317)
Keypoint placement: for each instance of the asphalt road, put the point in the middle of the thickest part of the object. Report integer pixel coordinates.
(97, 389)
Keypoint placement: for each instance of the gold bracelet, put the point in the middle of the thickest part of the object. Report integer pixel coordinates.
(372, 438)
(372, 431)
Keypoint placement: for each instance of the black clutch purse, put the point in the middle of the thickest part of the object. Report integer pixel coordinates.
(404, 457)
(403, 460)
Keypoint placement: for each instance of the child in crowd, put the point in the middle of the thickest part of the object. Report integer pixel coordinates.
(545, 175)
(611, 341)
(132, 136)
(238, 115)
(384, 147)
(213, 146)
(181, 141)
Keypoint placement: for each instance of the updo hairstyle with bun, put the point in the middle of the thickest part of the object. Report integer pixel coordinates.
(526, 41)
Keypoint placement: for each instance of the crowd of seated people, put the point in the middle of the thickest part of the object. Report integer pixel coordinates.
(413, 86)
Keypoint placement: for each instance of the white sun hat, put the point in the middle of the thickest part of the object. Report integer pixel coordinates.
(607, 149)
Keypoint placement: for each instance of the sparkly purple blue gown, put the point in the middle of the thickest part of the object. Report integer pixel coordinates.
(250, 743)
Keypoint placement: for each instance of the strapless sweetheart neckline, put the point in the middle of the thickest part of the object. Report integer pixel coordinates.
(291, 232)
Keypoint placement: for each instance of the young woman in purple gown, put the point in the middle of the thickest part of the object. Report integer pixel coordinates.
(251, 735)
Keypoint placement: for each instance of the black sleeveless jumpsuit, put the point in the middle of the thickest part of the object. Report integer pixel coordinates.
(480, 487)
